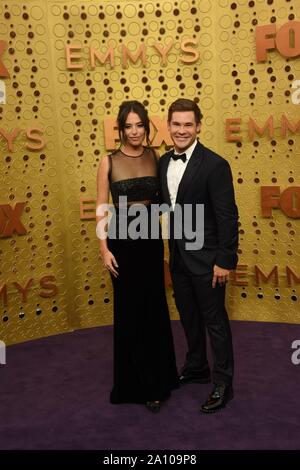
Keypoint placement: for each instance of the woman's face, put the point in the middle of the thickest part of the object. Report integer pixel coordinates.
(134, 130)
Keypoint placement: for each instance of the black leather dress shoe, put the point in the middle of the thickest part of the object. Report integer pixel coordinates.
(218, 399)
(153, 406)
(189, 378)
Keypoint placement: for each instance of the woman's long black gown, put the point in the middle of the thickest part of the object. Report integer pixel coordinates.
(144, 358)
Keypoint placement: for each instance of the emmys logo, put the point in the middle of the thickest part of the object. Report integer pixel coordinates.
(2, 352)
(295, 357)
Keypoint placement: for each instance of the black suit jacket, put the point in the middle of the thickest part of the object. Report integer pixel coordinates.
(207, 180)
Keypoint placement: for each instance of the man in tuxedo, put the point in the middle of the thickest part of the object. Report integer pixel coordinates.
(192, 174)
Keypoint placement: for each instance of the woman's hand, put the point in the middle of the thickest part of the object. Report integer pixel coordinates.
(109, 262)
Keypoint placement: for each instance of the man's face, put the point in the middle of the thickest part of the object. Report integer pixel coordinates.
(183, 129)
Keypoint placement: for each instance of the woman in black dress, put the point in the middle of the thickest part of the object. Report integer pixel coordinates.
(144, 360)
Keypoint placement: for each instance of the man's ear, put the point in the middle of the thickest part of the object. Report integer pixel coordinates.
(198, 128)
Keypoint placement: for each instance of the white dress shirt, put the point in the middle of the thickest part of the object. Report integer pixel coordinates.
(175, 172)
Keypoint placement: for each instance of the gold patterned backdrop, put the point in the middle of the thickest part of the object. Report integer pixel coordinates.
(65, 66)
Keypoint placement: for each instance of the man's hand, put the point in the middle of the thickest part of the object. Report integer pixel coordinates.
(221, 276)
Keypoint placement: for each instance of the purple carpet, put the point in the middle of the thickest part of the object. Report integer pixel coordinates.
(54, 395)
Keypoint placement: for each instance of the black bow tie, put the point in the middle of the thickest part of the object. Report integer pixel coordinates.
(177, 156)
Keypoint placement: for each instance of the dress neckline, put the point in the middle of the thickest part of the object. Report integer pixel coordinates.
(133, 156)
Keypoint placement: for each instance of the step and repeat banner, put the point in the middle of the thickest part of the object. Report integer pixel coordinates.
(65, 66)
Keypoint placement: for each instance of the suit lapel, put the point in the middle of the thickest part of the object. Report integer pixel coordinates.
(190, 171)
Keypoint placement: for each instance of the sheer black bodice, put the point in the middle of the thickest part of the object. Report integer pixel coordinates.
(133, 177)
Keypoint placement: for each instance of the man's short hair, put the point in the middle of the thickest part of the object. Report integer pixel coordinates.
(184, 104)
